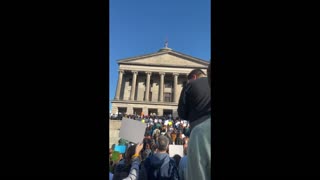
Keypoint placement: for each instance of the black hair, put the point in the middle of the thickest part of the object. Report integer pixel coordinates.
(196, 72)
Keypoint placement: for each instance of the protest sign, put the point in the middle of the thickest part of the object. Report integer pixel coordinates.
(132, 131)
(176, 149)
(120, 148)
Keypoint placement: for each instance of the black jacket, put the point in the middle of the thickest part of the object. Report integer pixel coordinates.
(195, 101)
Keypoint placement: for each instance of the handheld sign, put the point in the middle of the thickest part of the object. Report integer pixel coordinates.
(132, 131)
(175, 149)
(120, 148)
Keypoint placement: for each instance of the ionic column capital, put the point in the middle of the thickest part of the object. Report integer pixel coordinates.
(175, 74)
(148, 72)
(121, 71)
(162, 73)
(134, 72)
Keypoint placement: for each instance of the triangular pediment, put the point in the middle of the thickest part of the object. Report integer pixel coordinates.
(169, 58)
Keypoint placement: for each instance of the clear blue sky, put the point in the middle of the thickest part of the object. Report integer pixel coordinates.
(140, 27)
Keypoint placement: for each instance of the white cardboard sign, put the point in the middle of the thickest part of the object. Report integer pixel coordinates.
(132, 130)
(176, 149)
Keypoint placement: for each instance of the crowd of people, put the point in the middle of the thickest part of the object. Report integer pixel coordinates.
(150, 159)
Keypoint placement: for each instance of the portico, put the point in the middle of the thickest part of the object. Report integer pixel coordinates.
(153, 81)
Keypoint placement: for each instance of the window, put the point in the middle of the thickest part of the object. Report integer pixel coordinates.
(130, 82)
(168, 84)
(167, 97)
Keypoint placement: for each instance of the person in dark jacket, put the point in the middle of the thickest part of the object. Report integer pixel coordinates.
(195, 102)
(129, 167)
(160, 165)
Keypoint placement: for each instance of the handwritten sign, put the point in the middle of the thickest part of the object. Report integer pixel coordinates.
(132, 130)
(175, 149)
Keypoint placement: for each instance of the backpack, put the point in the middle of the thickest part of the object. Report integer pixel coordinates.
(172, 171)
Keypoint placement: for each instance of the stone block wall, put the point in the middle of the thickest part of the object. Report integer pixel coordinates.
(114, 130)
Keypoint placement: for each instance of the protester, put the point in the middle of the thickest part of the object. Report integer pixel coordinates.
(179, 140)
(199, 147)
(195, 103)
(160, 165)
(173, 136)
(177, 159)
(129, 168)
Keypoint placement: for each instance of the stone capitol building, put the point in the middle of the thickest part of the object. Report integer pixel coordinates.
(152, 83)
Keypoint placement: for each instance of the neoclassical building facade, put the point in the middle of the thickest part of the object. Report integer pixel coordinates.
(152, 83)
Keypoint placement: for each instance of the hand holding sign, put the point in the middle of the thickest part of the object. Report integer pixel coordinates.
(138, 148)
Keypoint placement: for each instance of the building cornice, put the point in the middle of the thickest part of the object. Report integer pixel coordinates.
(159, 65)
(145, 102)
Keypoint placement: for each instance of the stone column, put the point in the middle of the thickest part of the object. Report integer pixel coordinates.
(133, 87)
(130, 110)
(147, 86)
(145, 110)
(175, 89)
(161, 85)
(119, 85)
(160, 112)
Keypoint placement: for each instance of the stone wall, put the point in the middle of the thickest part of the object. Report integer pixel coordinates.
(114, 130)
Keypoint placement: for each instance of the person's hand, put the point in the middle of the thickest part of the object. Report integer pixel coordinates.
(138, 148)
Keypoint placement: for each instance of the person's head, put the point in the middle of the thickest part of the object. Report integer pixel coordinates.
(148, 146)
(110, 153)
(195, 74)
(130, 152)
(163, 143)
(177, 159)
(147, 135)
(120, 156)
